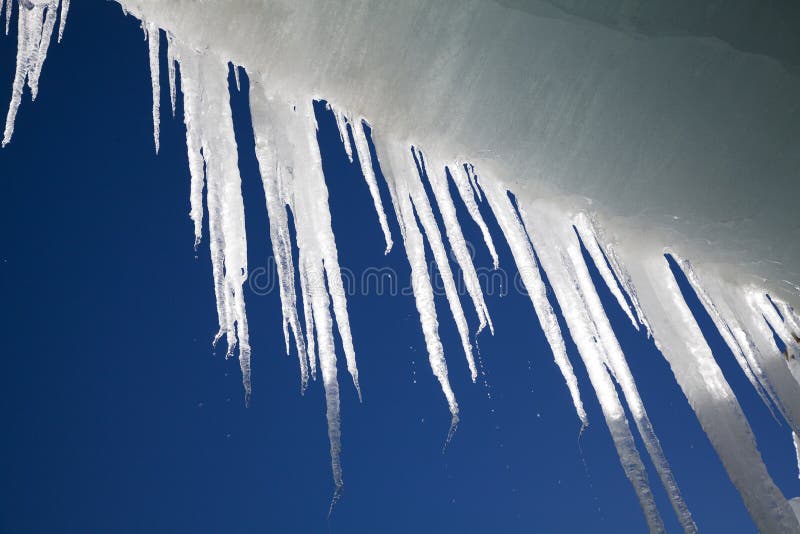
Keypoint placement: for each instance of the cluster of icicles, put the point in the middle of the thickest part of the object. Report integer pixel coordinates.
(539, 235)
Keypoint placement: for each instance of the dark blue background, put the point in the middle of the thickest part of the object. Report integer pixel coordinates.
(117, 417)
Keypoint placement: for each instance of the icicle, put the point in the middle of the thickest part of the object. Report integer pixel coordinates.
(789, 317)
(457, 243)
(9, 5)
(210, 139)
(622, 372)
(44, 44)
(529, 272)
(473, 180)
(396, 167)
(680, 340)
(365, 160)
(343, 135)
(308, 316)
(424, 211)
(29, 23)
(589, 238)
(782, 386)
(558, 251)
(309, 199)
(796, 442)
(467, 193)
(291, 167)
(320, 304)
(760, 301)
(275, 194)
(62, 21)
(749, 330)
(236, 77)
(171, 71)
(313, 185)
(624, 279)
(34, 28)
(729, 329)
(153, 37)
(191, 115)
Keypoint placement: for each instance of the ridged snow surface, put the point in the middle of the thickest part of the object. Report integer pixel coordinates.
(624, 145)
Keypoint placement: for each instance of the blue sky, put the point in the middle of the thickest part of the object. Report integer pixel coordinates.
(118, 417)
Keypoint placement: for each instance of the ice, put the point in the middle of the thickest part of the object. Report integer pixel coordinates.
(438, 180)
(732, 333)
(365, 160)
(152, 35)
(211, 142)
(9, 5)
(28, 30)
(62, 21)
(171, 73)
(559, 252)
(423, 210)
(191, 116)
(308, 316)
(467, 189)
(236, 77)
(796, 442)
(291, 167)
(790, 318)
(782, 384)
(277, 196)
(341, 123)
(310, 186)
(34, 28)
(762, 303)
(398, 170)
(680, 340)
(622, 373)
(522, 252)
(41, 53)
(589, 239)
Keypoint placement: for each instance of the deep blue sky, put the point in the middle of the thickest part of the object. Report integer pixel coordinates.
(118, 418)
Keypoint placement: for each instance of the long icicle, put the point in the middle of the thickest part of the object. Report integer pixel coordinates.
(395, 165)
(341, 124)
(522, 252)
(301, 186)
(44, 43)
(424, 211)
(467, 194)
(592, 342)
(62, 21)
(728, 329)
(681, 341)
(210, 139)
(624, 377)
(624, 278)
(152, 34)
(589, 239)
(318, 196)
(9, 5)
(782, 385)
(171, 71)
(29, 38)
(365, 160)
(275, 192)
(457, 243)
